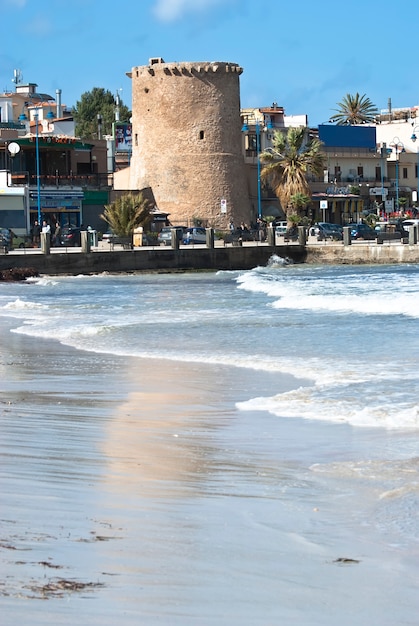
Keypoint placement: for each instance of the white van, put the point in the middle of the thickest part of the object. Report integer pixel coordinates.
(280, 228)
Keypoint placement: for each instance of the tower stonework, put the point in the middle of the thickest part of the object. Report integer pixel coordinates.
(186, 141)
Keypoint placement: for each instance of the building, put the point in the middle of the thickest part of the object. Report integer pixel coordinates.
(67, 179)
(187, 143)
(258, 128)
(369, 168)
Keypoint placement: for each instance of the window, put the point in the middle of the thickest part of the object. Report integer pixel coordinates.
(378, 173)
(201, 134)
(405, 172)
(252, 142)
(360, 171)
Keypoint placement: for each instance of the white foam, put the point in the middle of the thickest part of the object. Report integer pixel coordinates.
(315, 293)
(315, 404)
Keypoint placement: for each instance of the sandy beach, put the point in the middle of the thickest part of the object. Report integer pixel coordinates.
(103, 461)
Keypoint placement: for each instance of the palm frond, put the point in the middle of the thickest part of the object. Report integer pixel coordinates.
(354, 109)
(288, 163)
(126, 213)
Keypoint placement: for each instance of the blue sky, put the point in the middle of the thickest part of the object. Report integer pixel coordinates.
(305, 55)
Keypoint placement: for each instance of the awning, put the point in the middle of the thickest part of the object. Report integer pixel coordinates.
(58, 143)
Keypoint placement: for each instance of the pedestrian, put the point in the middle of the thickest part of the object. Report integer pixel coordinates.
(46, 228)
(56, 239)
(261, 229)
(36, 234)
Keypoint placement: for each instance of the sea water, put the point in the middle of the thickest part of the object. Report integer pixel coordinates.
(299, 388)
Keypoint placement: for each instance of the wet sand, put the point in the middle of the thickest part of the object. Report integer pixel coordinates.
(113, 487)
(134, 492)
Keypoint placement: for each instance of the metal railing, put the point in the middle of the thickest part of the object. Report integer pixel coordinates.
(92, 181)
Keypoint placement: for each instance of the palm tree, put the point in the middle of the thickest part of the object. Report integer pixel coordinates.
(286, 165)
(354, 110)
(299, 201)
(126, 213)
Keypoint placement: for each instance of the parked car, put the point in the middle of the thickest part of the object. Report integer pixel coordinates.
(108, 236)
(408, 224)
(280, 228)
(165, 235)
(194, 235)
(327, 230)
(362, 231)
(394, 226)
(291, 234)
(70, 236)
(22, 241)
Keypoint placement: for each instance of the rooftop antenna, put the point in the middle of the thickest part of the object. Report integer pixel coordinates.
(17, 77)
(117, 103)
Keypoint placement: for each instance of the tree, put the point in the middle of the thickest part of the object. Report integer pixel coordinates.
(286, 165)
(126, 213)
(94, 103)
(354, 110)
(298, 202)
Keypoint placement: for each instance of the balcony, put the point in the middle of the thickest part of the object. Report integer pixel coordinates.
(85, 181)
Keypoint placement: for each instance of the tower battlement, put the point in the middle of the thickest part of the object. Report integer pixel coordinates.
(157, 65)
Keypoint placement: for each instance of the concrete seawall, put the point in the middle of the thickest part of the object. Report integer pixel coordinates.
(187, 259)
(150, 259)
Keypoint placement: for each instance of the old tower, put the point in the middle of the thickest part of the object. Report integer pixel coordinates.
(186, 141)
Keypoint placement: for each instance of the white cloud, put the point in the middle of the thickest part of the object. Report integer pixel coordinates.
(170, 10)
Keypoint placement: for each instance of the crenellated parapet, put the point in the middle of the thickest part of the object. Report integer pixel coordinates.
(157, 66)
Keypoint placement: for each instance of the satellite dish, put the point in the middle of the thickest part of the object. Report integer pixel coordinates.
(13, 148)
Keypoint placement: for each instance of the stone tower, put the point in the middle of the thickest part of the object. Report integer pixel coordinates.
(186, 141)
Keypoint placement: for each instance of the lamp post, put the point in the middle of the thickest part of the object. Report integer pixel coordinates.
(258, 168)
(398, 147)
(23, 118)
(383, 156)
(38, 181)
(413, 138)
(245, 129)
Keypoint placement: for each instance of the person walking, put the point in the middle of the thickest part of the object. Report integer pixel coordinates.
(36, 234)
(56, 239)
(261, 226)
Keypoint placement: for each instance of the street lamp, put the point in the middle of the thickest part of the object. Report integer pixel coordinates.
(245, 129)
(258, 168)
(23, 117)
(413, 138)
(383, 155)
(398, 147)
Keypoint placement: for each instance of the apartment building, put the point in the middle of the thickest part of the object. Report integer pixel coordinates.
(67, 179)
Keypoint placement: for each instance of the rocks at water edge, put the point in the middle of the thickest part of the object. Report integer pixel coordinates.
(18, 273)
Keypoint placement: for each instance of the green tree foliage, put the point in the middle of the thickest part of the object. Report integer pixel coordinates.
(93, 103)
(299, 201)
(126, 213)
(354, 110)
(286, 165)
